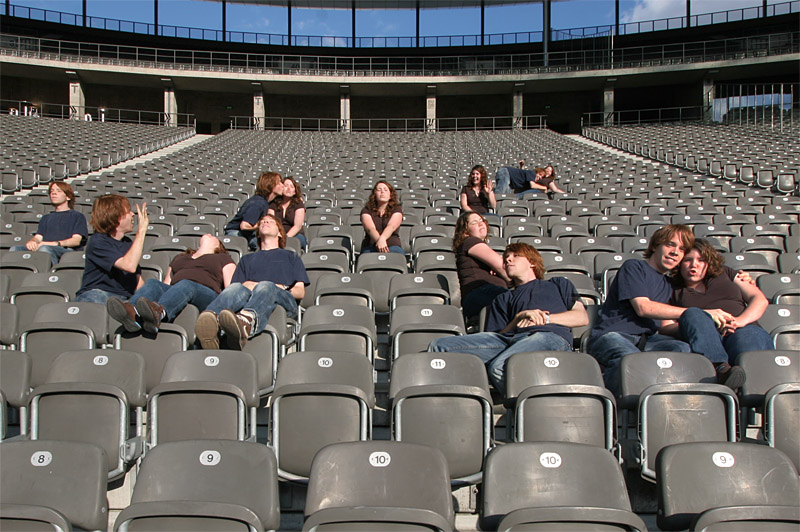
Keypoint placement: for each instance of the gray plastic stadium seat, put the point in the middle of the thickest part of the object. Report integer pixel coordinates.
(426, 390)
(414, 327)
(204, 394)
(45, 340)
(35, 261)
(62, 281)
(585, 489)
(204, 485)
(766, 369)
(381, 267)
(379, 485)
(269, 346)
(15, 378)
(344, 288)
(9, 325)
(33, 294)
(89, 396)
(710, 486)
(560, 396)
(782, 324)
(349, 328)
(319, 398)
(49, 484)
(780, 288)
(155, 349)
(418, 289)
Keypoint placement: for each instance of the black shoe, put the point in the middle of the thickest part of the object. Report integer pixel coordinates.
(123, 312)
(731, 376)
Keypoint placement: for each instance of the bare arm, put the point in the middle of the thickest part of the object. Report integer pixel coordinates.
(464, 205)
(244, 226)
(537, 186)
(644, 307)
(227, 274)
(130, 260)
(553, 187)
(298, 290)
(369, 227)
(756, 303)
(488, 256)
(299, 218)
(168, 277)
(574, 317)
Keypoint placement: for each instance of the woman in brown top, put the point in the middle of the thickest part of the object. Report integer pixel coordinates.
(381, 218)
(706, 283)
(194, 277)
(290, 210)
(478, 194)
(480, 268)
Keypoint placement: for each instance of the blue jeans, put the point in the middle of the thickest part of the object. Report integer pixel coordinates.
(95, 295)
(699, 330)
(302, 239)
(252, 238)
(479, 298)
(174, 298)
(609, 349)
(495, 349)
(55, 252)
(373, 249)
(260, 302)
(529, 192)
(502, 181)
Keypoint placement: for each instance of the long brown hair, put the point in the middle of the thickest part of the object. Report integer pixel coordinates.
(297, 199)
(267, 182)
(461, 231)
(107, 211)
(391, 206)
(484, 176)
(715, 264)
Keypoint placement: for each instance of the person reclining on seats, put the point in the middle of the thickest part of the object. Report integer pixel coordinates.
(535, 316)
(637, 302)
(194, 277)
(269, 277)
(112, 259)
(61, 230)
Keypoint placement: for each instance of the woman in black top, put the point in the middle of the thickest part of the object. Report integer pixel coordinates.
(478, 194)
(381, 218)
(290, 210)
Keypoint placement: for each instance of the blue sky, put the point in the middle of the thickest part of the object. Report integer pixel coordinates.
(388, 23)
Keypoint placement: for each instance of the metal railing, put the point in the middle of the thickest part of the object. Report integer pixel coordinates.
(646, 116)
(464, 65)
(390, 124)
(96, 114)
(186, 32)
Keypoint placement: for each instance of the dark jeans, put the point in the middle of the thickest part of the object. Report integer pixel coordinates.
(174, 298)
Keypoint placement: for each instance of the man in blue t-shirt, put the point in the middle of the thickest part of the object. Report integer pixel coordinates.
(112, 259)
(269, 277)
(637, 302)
(60, 231)
(536, 316)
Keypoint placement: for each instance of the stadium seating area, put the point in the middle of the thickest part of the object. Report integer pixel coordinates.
(222, 439)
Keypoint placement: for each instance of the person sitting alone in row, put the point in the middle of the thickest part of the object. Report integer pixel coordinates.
(195, 277)
(262, 280)
(381, 218)
(61, 230)
(478, 194)
(290, 210)
(244, 222)
(112, 259)
(536, 316)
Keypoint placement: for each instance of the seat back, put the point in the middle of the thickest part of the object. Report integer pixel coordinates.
(348, 327)
(205, 485)
(780, 288)
(413, 327)
(58, 482)
(155, 349)
(367, 485)
(700, 476)
(766, 369)
(782, 324)
(644, 369)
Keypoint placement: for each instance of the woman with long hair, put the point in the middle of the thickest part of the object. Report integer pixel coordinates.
(478, 194)
(480, 268)
(245, 221)
(381, 217)
(290, 209)
(196, 277)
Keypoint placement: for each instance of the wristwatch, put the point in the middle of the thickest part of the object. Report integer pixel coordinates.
(547, 319)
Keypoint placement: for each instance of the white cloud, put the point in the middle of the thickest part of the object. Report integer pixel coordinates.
(658, 9)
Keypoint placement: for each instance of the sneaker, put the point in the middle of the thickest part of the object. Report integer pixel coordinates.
(123, 312)
(151, 314)
(731, 376)
(207, 330)
(237, 327)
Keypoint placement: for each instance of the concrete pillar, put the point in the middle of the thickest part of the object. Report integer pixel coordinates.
(77, 101)
(344, 108)
(170, 107)
(517, 105)
(608, 106)
(259, 109)
(709, 93)
(430, 109)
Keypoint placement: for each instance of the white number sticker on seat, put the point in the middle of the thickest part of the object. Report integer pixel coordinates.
(419, 280)
(664, 363)
(786, 280)
(100, 360)
(210, 458)
(41, 458)
(551, 362)
(426, 312)
(325, 362)
(438, 363)
(53, 279)
(784, 312)
(380, 459)
(211, 361)
(550, 460)
(73, 310)
(783, 361)
(338, 313)
(722, 459)
(346, 279)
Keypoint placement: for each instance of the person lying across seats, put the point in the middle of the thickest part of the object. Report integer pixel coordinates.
(195, 277)
(536, 316)
(61, 230)
(704, 282)
(112, 259)
(638, 301)
(244, 222)
(521, 182)
(262, 280)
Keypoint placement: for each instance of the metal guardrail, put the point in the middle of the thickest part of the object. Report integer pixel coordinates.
(390, 124)
(463, 65)
(645, 116)
(146, 28)
(96, 114)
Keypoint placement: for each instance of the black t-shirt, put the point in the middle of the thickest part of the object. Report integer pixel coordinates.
(102, 252)
(380, 224)
(476, 202)
(721, 292)
(473, 273)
